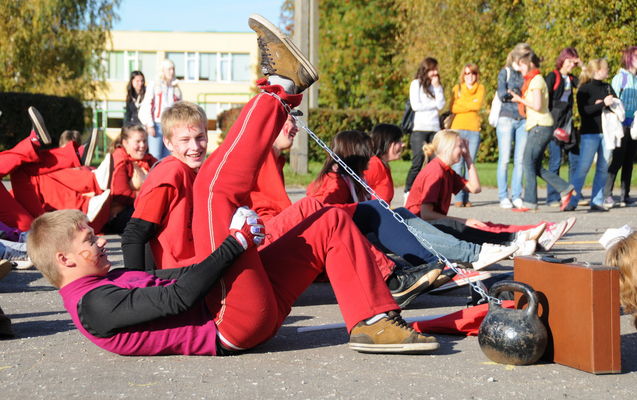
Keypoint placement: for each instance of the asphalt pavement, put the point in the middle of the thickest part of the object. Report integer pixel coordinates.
(50, 359)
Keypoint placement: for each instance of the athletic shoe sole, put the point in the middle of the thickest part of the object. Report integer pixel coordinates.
(406, 348)
(89, 150)
(38, 125)
(420, 286)
(258, 19)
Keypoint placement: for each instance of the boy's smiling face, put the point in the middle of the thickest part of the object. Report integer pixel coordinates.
(86, 255)
(188, 144)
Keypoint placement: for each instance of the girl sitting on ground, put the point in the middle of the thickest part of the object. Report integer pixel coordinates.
(437, 182)
(622, 254)
(131, 164)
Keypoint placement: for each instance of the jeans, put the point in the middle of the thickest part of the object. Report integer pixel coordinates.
(509, 130)
(555, 162)
(591, 144)
(473, 138)
(622, 157)
(536, 142)
(447, 245)
(416, 141)
(156, 144)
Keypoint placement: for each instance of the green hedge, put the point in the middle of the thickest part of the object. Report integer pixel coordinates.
(327, 122)
(59, 113)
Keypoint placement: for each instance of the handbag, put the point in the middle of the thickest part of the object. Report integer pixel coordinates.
(407, 124)
(447, 120)
(496, 105)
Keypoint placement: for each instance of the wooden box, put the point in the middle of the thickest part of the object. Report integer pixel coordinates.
(579, 305)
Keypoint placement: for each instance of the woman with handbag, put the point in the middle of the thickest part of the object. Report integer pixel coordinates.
(592, 97)
(561, 83)
(427, 99)
(467, 101)
(510, 129)
(539, 124)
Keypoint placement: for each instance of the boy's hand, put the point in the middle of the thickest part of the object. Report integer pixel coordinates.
(247, 227)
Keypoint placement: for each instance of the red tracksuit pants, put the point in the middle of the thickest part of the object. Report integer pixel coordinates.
(255, 295)
(43, 180)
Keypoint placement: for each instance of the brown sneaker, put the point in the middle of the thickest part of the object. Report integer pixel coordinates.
(6, 332)
(279, 56)
(5, 267)
(390, 334)
(38, 126)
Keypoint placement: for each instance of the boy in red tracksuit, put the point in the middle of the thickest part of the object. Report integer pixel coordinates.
(256, 293)
(44, 180)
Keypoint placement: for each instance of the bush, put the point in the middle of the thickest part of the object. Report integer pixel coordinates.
(326, 123)
(59, 113)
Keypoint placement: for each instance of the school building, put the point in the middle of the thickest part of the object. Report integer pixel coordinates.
(216, 70)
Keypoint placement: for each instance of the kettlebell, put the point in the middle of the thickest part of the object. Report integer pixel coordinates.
(510, 336)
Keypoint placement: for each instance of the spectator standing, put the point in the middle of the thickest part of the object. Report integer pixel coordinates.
(467, 101)
(427, 99)
(539, 124)
(561, 83)
(161, 95)
(135, 91)
(592, 97)
(510, 129)
(624, 83)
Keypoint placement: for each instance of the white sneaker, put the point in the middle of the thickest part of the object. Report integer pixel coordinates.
(525, 248)
(552, 234)
(104, 172)
(569, 224)
(492, 253)
(95, 205)
(518, 203)
(535, 233)
(506, 203)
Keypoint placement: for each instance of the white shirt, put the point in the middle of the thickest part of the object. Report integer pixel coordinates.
(426, 107)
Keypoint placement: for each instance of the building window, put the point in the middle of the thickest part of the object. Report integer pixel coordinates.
(215, 67)
(122, 63)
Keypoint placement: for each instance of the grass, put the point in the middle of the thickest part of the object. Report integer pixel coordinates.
(487, 172)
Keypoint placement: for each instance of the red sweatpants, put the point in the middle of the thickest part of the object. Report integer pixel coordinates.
(278, 225)
(43, 180)
(255, 295)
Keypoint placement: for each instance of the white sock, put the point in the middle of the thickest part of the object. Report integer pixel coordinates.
(287, 84)
(375, 318)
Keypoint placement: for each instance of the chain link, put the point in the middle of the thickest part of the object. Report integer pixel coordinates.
(477, 287)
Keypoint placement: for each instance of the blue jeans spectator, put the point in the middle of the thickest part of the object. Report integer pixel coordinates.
(536, 142)
(555, 162)
(509, 131)
(591, 144)
(473, 138)
(156, 145)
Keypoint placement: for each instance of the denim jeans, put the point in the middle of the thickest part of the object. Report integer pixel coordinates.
(555, 162)
(508, 131)
(445, 244)
(591, 144)
(536, 142)
(473, 138)
(416, 141)
(156, 144)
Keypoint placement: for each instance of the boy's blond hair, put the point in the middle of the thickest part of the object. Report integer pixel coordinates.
(51, 233)
(69, 136)
(623, 255)
(180, 113)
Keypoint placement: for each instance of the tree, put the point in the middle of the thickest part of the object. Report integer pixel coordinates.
(357, 54)
(54, 46)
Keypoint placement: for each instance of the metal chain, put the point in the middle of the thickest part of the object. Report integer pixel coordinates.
(386, 206)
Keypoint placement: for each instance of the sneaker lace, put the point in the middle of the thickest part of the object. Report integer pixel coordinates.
(397, 320)
(266, 58)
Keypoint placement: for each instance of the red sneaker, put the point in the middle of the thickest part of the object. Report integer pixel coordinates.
(566, 199)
